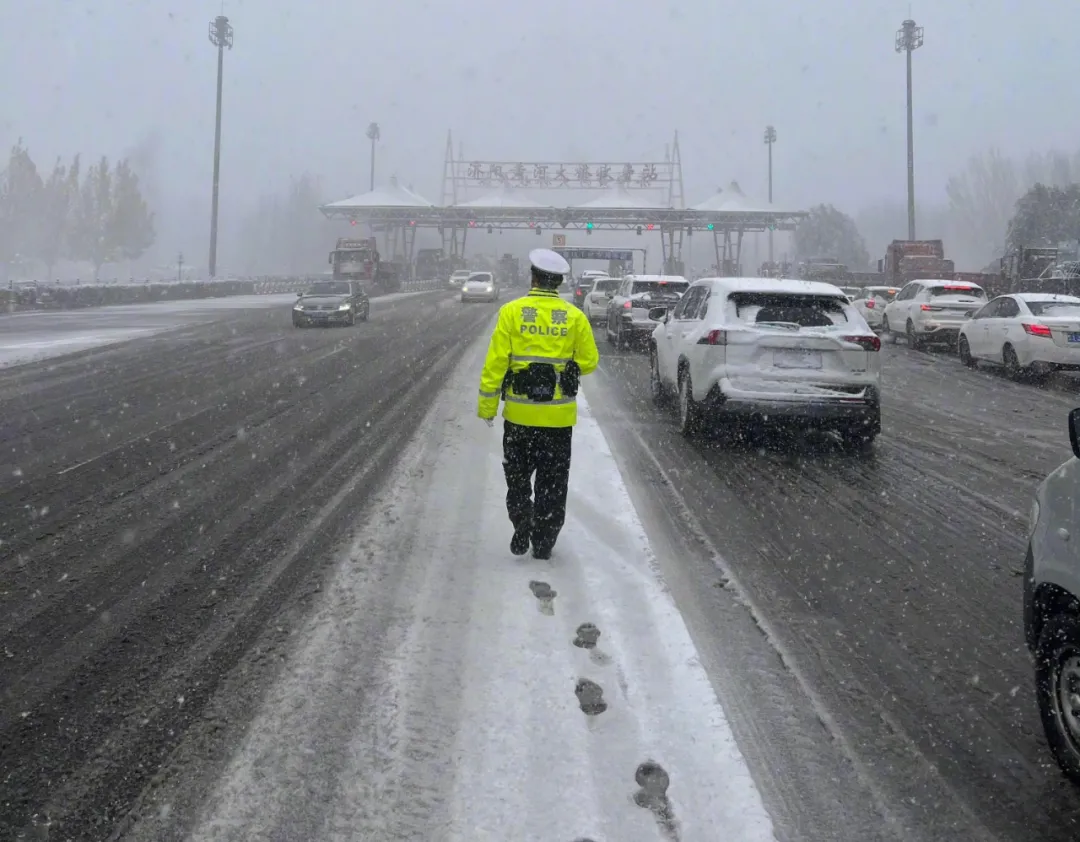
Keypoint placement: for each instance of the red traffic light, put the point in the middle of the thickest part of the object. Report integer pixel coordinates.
(649, 226)
(352, 221)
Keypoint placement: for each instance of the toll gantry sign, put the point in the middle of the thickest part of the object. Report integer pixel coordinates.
(624, 255)
(551, 175)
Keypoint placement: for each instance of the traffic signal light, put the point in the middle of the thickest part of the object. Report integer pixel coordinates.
(650, 226)
(711, 226)
(639, 230)
(772, 226)
(589, 226)
(537, 230)
(489, 229)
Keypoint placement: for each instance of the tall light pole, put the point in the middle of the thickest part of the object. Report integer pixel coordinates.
(770, 139)
(221, 36)
(909, 38)
(373, 135)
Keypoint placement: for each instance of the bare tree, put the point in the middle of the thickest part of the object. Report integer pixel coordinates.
(982, 200)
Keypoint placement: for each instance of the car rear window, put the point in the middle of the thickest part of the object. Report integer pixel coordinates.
(789, 308)
(962, 290)
(1054, 308)
(604, 286)
(885, 294)
(480, 278)
(672, 287)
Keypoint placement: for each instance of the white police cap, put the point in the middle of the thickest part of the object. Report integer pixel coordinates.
(549, 261)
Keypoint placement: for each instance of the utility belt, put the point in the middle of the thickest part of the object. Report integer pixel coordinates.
(537, 381)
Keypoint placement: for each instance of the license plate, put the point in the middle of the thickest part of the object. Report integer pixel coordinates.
(1074, 337)
(797, 359)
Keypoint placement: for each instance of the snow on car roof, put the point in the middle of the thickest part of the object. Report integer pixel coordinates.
(947, 282)
(774, 285)
(1045, 296)
(668, 278)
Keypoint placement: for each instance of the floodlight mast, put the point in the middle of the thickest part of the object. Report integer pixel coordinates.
(908, 39)
(221, 36)
(770, 139)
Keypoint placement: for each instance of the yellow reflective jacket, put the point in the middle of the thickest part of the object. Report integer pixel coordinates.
(539, 328)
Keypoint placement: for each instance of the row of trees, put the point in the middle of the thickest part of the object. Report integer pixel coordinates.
(994, 204)
(98, 216)
(285, 233)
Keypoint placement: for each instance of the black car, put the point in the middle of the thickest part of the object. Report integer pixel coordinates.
(331, 303)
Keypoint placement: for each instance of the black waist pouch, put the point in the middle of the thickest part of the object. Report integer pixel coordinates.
(570, 379)
(537, 382)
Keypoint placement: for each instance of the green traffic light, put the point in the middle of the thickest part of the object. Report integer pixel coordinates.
(588, 225)
(711, 226)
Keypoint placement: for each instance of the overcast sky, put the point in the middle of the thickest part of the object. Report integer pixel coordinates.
(601, 79)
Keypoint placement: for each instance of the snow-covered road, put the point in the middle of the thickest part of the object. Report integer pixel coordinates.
(42, 334)
(451, 706)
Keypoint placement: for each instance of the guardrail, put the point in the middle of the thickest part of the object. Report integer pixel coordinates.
(58, 297)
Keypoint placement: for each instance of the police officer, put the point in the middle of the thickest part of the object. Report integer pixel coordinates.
(540, 348)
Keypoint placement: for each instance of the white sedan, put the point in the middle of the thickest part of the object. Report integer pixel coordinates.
(769, 351)
(599, 297)
(1027, 333)
(480, 286)
(871, 303)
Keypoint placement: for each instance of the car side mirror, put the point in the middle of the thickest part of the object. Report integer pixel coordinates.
(1074, 431)
(970, 314)
(658, 314)
(610, 293)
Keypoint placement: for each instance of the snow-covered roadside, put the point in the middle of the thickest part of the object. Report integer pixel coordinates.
(433, 695)
(37, 335)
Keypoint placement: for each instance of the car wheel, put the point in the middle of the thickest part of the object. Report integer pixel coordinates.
(886, 333)
(963, 350)
(365, 312)
(607, 331)
(858, 436)
(656, 383)
(1057, 689)
(349, 322)
(690, 417)
(914, 342)
(1012, 363)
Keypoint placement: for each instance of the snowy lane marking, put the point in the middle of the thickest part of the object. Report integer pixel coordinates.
(422, 701)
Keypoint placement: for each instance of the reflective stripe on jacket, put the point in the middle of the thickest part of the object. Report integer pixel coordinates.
(538, 328)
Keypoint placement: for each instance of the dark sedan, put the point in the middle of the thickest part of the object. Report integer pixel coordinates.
(331, 303)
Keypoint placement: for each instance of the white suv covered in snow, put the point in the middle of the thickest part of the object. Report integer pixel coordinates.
(768, 349)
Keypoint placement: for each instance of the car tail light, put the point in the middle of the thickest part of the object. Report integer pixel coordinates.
(925, 307)
(1038, 330)
(870, 305)
(627, 305)
(867, 343)
(959, 289)
(714, 337)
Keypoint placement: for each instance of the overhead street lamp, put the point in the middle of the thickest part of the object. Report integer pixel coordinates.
(770, 139)
(373, 135)
(221, 36)
(909, 38)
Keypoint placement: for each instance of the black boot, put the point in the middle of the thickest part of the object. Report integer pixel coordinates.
(541, 551)
(519, 544)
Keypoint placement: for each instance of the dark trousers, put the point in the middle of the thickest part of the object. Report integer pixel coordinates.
(544, 451)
